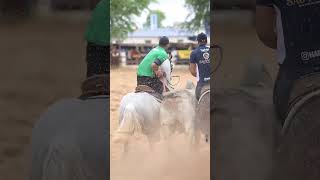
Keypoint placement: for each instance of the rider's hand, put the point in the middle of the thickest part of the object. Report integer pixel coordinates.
(159, 73)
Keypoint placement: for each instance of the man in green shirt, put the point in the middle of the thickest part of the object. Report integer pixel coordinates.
(98, 45)
(149, 72)
(98, 40)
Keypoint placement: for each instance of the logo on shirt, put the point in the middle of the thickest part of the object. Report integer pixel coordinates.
(305, 56)
(206, 56)
(204, 50)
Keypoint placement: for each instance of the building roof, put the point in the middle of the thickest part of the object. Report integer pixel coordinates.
(169, 32)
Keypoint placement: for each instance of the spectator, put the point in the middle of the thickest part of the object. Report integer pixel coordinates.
(115, 56)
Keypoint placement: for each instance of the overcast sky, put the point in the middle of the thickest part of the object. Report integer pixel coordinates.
(174, 10)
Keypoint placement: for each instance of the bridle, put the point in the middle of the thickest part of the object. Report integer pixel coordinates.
(167, 84)
(170, 84)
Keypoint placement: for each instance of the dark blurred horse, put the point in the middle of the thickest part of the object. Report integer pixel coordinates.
(298, 153)
(249, 141)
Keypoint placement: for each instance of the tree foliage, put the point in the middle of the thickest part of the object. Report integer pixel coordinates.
(200, 10)
(122, 13)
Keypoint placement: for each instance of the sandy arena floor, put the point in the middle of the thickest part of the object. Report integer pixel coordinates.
(141, 164)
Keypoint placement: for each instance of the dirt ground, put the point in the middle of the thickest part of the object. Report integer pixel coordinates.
(41, 61)
(141, 163)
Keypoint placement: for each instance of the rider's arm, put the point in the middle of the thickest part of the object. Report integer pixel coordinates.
(265, 23)
(156, 70)
(193, 65)
(155, 67)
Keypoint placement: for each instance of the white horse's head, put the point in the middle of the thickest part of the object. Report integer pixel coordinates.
(166, 68)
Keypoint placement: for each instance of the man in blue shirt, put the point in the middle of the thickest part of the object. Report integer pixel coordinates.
(292, 28)
(200, 64)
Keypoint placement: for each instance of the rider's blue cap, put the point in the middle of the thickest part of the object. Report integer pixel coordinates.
(202, 37)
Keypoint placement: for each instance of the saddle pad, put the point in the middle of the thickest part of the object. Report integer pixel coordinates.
(95, 86)
(149, 90)
(144, 88)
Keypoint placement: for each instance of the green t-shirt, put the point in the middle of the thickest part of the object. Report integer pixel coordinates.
(98, 30)
(145, 67)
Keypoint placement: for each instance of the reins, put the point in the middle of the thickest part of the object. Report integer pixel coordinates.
(214, 46)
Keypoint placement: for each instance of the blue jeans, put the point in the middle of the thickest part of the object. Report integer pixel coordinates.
(199, 87)
(282, 91)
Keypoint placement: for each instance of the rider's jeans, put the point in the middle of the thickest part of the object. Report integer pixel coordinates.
(96, 57)
(281, 92)
(199, 87)
(152, 82)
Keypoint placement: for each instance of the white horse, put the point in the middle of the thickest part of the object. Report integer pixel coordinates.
(139, 112)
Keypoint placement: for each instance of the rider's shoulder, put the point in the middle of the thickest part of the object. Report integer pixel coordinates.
(163, 53)
(205, 47)
(195, 50)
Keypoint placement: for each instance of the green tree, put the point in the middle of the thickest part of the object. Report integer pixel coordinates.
(161, 17)
(122, 13)
(200, 10)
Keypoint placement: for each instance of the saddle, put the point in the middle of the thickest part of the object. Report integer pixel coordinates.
(149, 90)
(303, 86)
(96, 85)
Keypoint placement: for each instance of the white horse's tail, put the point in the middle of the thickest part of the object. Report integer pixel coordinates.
(64, 161)
(129, 124)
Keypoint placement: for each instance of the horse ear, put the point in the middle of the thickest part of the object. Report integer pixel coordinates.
(190, 85)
